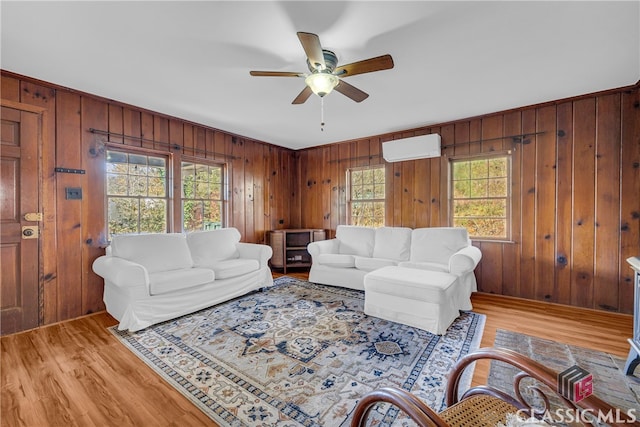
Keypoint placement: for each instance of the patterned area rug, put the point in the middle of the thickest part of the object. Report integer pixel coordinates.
(609, 382)
(299, 354)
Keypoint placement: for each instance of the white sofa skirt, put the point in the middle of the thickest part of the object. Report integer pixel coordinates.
(346, 277)
(136, 309)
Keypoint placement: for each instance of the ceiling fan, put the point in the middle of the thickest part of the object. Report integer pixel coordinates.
(325, 74)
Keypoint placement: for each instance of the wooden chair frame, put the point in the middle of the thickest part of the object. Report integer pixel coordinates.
(426, 417)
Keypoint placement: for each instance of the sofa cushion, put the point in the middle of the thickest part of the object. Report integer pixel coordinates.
(410, 284)
(355, 240)
(155, 252)
(209, 247)
(235, 267)
(370, 264)
(173, 280)
(336, 260)
(392, 243)
(431, 266)
(437, 244)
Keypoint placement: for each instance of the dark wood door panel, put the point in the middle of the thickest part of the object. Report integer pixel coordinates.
(10, 286)
(9, 176)
(19, 194)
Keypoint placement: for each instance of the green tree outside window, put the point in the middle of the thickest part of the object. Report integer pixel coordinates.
(480, 198)
(367, 196)
(136, 186)
(202, 196)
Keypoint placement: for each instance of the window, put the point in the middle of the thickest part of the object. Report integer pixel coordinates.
(366, 195)
(136, 193)
(139, 200)
(480, 198)
(202, 196)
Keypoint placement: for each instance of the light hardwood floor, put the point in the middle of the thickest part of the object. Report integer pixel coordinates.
(75, 373)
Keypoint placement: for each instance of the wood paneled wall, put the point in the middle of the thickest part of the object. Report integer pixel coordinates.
(576, 190)
(73, 231)
(575, 195)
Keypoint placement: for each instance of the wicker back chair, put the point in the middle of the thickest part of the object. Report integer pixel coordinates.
(484, 405)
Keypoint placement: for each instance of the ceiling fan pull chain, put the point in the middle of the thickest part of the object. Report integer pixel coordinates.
(322, 114)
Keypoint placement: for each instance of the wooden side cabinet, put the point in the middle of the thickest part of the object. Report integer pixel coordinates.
(290, 246)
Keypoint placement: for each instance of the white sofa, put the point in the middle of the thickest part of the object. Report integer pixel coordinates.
(150, 278)
(355, 251)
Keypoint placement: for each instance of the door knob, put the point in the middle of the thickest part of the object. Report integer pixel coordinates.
(29, 232)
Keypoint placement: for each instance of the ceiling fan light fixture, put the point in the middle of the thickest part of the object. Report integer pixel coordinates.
(321, 83)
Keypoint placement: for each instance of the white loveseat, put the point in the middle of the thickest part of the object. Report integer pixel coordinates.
(356, 251)
(150, 278)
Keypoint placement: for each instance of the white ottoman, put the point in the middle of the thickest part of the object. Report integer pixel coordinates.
(420, 298)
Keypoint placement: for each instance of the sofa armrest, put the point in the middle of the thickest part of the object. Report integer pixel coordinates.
(121, 272)
(256, 251)
(465, 260)
(329, 246)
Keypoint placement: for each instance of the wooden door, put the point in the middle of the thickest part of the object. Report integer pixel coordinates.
(19, 191)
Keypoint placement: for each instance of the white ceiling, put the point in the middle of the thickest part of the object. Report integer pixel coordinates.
(452, 60)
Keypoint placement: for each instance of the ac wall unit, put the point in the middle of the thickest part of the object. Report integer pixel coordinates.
(417, 147)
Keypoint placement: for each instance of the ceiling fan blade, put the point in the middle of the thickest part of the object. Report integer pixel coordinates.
(276, 74)
(313, 49)
(351, 91)
(379, 63)
(303, 96)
